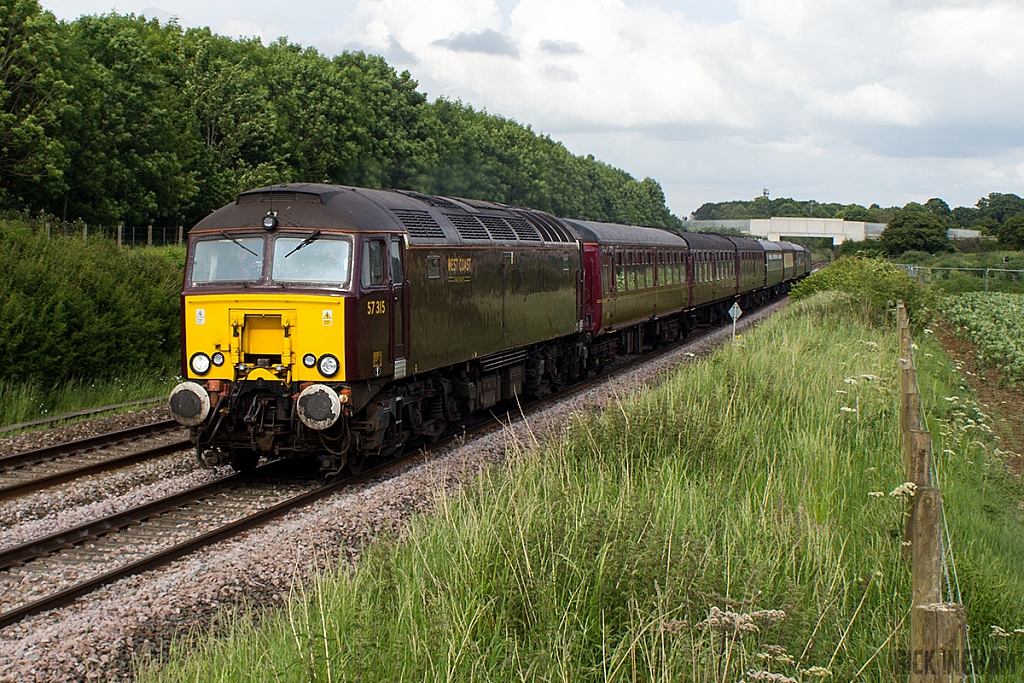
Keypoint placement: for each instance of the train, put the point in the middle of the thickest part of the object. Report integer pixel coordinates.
(344, 323)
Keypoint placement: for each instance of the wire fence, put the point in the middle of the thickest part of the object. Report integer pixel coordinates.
(124, 235)
(995, 279)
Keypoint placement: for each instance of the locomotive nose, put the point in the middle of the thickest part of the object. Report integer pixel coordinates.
(190, 403)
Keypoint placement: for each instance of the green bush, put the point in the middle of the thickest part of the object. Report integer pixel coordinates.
(874, 282)
(84, 311)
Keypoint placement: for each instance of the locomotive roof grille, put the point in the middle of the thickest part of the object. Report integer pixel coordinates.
(499, 229)
(279, 196)
(468, 227)
(419, 223)
(524, 230)
(549, 228)
(429, 199)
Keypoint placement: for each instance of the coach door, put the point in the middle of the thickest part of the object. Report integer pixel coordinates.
(399, 306)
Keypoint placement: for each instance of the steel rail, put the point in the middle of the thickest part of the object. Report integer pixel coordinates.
(38, 455)
(69, 595)
(80, 413)
(45, 482)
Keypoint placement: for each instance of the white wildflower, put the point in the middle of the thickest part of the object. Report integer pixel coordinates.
(904, 490)
(876, 494)
(850, 380)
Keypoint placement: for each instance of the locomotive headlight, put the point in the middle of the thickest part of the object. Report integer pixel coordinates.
(328, 365)
(270, 221)
(309, 360)
(200, 363)
(218, 359)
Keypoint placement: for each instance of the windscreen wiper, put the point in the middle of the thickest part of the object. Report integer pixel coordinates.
(308, 240)
(227, 236)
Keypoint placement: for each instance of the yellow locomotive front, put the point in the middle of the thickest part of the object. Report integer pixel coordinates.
(263, 342)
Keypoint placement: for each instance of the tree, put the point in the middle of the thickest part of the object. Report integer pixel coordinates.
(1000, 207)
(1011, 232)
(31, 100)
(915, 228)
(939, 208)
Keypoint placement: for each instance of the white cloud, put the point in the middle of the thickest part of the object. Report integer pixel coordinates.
(872, 103)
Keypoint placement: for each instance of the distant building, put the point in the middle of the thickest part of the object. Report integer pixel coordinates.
(780, 227)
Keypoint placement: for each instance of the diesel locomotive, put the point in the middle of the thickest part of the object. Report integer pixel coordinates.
(343, 322)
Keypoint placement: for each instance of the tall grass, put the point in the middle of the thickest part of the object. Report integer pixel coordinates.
(27, 401)
(732, 523)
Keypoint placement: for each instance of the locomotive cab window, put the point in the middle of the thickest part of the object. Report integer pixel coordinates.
(227, 260)
(373, 263)
(396, 262)
(312, 259)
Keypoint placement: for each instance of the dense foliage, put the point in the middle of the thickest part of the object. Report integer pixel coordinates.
(995, 323)
(872, 282)
(85, 311)
(915, 229)
(113, 118)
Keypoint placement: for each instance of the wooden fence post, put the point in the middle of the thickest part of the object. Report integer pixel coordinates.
(120, 230)
(47, 230)
(937, 629)
(180, 233)
(85, 232)
(937, 644)
(149, 236)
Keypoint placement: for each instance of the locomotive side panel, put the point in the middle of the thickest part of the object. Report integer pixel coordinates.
(468, 302)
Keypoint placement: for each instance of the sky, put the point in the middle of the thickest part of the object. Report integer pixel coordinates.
(874, 101)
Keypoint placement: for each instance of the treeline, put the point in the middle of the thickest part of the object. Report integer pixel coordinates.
(763, 207)
(1000, 215)
(110, 119)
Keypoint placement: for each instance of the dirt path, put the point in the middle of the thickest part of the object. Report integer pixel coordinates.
(1005, 405)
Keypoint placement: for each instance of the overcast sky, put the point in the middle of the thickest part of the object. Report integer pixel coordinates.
(868, 101)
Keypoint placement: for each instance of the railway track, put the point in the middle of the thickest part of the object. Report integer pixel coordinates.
(159, 532)
(41, 468)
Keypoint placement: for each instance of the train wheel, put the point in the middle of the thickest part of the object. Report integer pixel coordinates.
(356, 463)
(245, 460)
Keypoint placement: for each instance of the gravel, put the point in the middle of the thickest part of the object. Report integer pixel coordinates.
(27, 441)
(137, 617)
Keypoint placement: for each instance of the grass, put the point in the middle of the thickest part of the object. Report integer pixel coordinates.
(27, 401)
(733, 522)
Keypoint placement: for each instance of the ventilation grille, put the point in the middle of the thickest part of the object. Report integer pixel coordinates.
(277, 196)
(524, 230)
(503, 359)
(498, 228)
(419, 223)
(468, 226)
(429, 199)
(549, 229)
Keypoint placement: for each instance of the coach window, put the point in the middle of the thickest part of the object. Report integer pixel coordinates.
(373, 263)
(620, 273)
(630, 271)
(661, 269)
